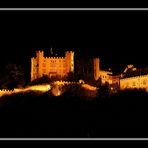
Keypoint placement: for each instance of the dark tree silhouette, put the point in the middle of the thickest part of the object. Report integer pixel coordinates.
(70, 77)
(13, 77)
(104, 91)
(45, 79)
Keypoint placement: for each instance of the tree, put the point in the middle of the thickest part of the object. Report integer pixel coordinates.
(70, 77)
(41, 80)
(45, 79)
(104, 90)
(98, 82)
(13, 77)
(56, 78)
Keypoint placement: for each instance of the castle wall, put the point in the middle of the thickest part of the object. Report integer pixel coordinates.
(5, 92)
(105, 77)
(54, 66)
(134, 82)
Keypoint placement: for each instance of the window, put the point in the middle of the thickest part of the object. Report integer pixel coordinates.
(44, 71)
(36, 65)
(64, 71)
(44, 64)
(144, 81)
(134, 84)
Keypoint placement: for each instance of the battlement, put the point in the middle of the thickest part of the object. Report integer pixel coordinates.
(60, 57)
(33, 58)
(69, 51)
(65, 82)
(40, 51)
(6, 92)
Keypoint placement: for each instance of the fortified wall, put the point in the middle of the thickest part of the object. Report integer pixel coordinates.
(138, 82)
(5, 91)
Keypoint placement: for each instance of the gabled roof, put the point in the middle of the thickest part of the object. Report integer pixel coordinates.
(132, 72)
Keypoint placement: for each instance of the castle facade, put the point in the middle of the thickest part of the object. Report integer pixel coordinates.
(90, 69)
(51, 66)
(61, 66)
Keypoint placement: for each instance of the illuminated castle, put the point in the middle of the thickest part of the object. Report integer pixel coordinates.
(51, 66)
(61, 66)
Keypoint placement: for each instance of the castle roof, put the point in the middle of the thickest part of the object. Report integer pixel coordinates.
(133, 72)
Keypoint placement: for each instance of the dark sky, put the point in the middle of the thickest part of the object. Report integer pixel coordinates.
(74, 4)
(117, 37)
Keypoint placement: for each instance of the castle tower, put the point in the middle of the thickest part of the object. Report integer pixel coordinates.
(96, 68)
(33, 70)
(40, 60)
(36, 65)
(69, 57)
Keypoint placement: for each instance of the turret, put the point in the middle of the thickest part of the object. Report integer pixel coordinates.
(32, 68)
(69, 57)
(96, 68)
(40, 60)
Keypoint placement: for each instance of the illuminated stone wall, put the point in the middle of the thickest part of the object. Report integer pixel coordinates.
(51, 66)
(134, 82)
(5, 92)
(98, 73)
(105, 77)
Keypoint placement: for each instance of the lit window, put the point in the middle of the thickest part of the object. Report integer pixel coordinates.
(44, 64)
(144, 82)
(44, 71)
(134, 84)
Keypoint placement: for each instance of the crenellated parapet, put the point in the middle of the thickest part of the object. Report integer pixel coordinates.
(65, 82)
(6, 92)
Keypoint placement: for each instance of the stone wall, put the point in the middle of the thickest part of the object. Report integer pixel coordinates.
(138, 82)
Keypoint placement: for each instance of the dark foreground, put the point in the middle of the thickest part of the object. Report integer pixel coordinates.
(32, 115)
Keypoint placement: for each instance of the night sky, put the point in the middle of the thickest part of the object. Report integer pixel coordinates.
(117, 37)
